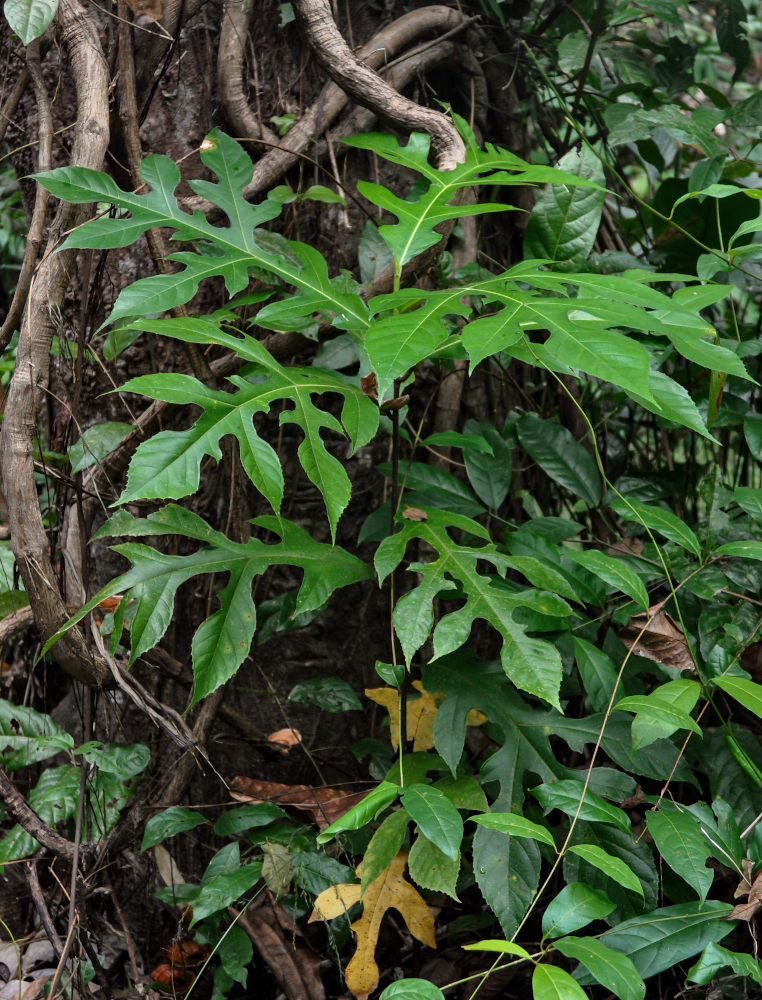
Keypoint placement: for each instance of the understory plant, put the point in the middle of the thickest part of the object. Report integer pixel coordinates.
(572, 731)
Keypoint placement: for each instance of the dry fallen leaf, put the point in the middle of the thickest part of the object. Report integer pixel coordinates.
(420, 714)
(658, 637)
(284, 739)
(325, 804)
(389, 890)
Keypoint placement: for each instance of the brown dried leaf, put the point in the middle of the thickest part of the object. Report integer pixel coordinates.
(747, 867)
(369, 386)
(745, 911)
(658, 637)
(325, 804)
(395, 404)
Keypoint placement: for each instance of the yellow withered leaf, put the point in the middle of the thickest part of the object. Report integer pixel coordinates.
(334, 901)
(389, 891)
(420, 713)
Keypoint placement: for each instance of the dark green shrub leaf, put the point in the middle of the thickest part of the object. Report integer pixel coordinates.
(431, 868)
(329, 693)
(562, 458)
(412, 989)
(575, 906)
(532, 664)
(680, 843)
(551, 983)
(30, 19)
(168, 823)
(610, 968)
(243, 818)
(564, 220)
(28, 736)
(566, 796)
(436, 817)
(614, 868)
(515, 825)
(660, 939)
(659, 519)
(715, 958)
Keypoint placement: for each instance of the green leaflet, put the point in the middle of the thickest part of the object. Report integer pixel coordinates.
(412, 989)
(222, 642)
(28, 736)
(532, 664)
(30, 19)
(682, 845)
(168, 464)
(596, 871)
(615, 572)
(615, 868)
(745, 691)
(515, 825)
(168, 823)
(659, 519)
(610, 968)
(384, 845)
(715, 958)
(567, 796)
(662, 712)
(551, 983)
(436, 817)
(432, 868)
(377, 799)
(417, 218)
(575, 906)
(238, 249)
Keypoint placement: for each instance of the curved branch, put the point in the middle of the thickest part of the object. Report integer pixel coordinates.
(236, 15)
(41, 198)
(382, 47)
(369, 89)
(28, 537)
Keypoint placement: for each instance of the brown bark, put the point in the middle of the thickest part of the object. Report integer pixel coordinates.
(28, 534)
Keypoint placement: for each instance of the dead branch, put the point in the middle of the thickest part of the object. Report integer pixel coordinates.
(29, 539)
(28, 819)
(369, 89)
(12, 101)
(15, 622)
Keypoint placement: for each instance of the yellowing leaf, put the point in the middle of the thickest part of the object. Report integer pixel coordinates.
(390, 889)
(334, 901)
(420, 714)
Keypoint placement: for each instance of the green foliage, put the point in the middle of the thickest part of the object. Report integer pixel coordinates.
(617, 480)
(30, 18)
